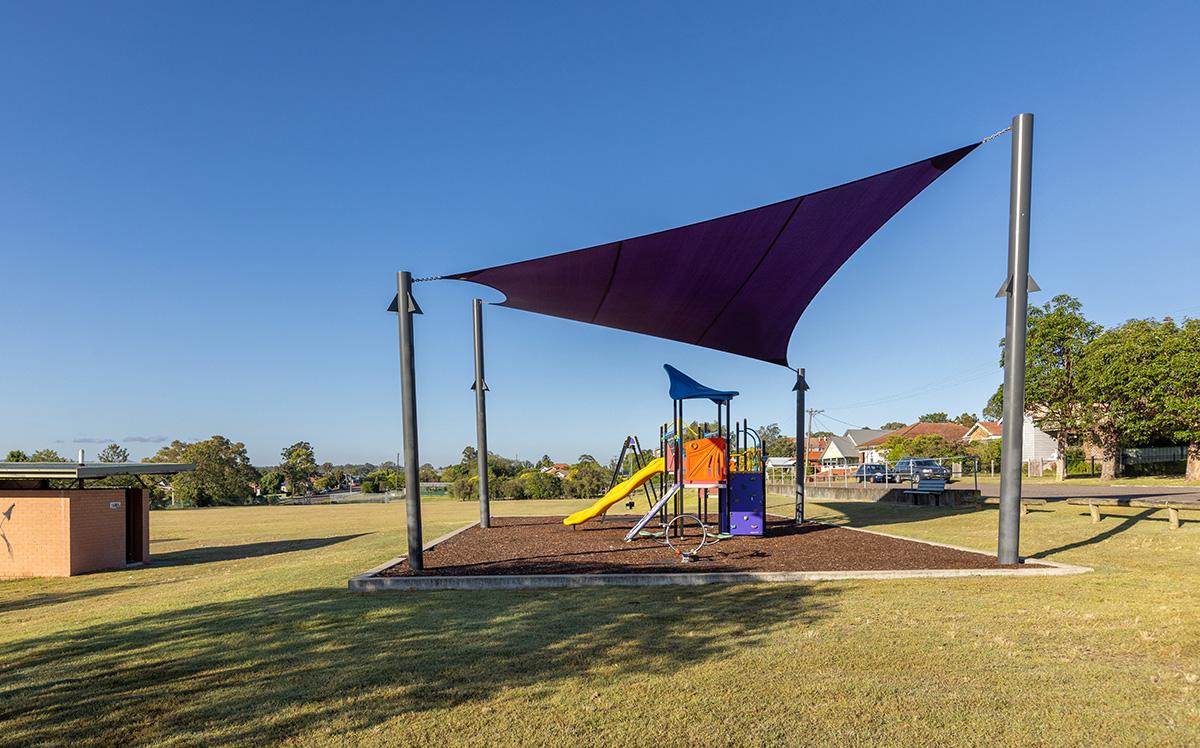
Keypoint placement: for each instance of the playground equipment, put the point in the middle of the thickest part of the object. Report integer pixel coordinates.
(728, 459)
(617, 493)
(758, 270)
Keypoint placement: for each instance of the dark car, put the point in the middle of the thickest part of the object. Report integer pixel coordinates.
(920, 468)
(874, 473)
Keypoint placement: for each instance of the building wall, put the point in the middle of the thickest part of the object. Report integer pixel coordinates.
(97, 530)
(35, 540)
(1036, 444)
(71, 531)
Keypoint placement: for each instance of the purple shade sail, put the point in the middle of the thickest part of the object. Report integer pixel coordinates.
(737, 283)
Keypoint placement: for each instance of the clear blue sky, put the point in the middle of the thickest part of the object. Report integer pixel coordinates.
(202, 205)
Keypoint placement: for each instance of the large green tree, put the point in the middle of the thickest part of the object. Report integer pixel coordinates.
(994, 410)
(776, 442)
(222, 475)
(16, 455)
(271, 483)
(46, 455)
(586, 480)
(923, 445)
(539, 485)
(1057, 335)
(967, 420)
(1182, 395)
(114, 453)
(1124, 376)
(938, 417)
(299, 466)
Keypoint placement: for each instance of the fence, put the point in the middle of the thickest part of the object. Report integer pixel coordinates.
(1149, 455)
(846, 473)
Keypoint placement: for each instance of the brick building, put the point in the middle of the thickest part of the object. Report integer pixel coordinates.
(60, 532)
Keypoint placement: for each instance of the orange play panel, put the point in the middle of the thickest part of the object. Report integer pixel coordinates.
(704, 460)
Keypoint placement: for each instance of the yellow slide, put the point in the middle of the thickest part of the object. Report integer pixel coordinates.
(618, 492)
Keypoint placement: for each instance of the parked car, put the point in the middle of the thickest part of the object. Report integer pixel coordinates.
(920, 468)
(875, 473)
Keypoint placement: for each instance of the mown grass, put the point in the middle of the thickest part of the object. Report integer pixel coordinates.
(1083, 480)
(243, 632)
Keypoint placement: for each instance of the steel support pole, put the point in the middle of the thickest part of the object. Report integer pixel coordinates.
(405, 308)
(1017, 303)
(480, 387)
(801, 467)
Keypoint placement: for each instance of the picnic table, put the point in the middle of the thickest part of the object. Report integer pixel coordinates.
(1173, 506)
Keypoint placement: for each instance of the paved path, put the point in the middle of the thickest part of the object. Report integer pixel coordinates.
(1068, 490)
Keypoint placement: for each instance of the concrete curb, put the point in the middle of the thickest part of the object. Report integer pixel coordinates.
(369, 581)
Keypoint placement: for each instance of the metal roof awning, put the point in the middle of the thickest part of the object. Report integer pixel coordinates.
(89, 470)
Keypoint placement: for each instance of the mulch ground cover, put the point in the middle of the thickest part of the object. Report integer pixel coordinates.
(543, 545)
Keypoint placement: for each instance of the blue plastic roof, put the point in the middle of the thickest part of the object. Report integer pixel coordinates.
(684, 387)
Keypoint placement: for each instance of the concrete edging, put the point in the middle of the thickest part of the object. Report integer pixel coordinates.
(369, 581)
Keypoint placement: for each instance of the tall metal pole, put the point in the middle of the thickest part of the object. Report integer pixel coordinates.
(1014, 340)
(406, 307)
(480, 387)
(801, 467)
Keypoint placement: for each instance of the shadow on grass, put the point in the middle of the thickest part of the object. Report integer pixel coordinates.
(54, 598)
(268, 668)
(1126, 523)
(208, 554)
(868, 514)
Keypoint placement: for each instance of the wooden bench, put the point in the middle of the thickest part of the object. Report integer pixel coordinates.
(1173, 506)
(1031, 502)
(927, 487)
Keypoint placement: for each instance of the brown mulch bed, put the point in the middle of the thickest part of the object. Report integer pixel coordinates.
(543, 545)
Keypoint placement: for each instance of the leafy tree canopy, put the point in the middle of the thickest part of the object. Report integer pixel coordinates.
(114, 453)
(938, 417)
(1124, 377)
(923, 445)
(222, 474)
(994, 410)
(299, 466)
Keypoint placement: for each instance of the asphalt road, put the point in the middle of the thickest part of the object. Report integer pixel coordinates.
(1068, 490)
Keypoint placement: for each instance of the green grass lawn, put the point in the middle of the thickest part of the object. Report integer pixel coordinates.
(243, 632)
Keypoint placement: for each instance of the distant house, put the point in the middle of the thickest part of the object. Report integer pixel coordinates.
(872, 449)
(983, 431)
(558, 469)
(1036, 444)
(847, 448)
(815, 446)
(781, 462)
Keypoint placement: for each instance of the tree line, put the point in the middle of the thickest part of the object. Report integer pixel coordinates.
(1105, 389)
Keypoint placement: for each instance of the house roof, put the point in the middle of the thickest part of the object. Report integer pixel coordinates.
(991, 428)
(844, 444)
(859, 436)
(949, 431)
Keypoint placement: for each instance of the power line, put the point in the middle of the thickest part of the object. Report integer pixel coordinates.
(971, 374)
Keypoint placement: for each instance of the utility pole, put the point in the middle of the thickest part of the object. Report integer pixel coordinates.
(811, 412)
